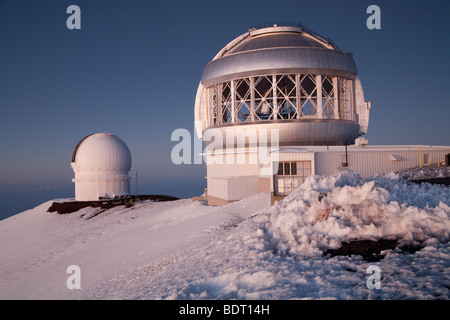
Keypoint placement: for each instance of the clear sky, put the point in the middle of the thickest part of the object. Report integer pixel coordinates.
(134, 67)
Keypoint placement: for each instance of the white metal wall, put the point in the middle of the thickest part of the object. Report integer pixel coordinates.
(86, 190)
(233, 175)
(369, 163)
(233, 188)
(237, 181)
(227, 181)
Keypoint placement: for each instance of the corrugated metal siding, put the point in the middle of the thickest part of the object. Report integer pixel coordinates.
(224, 170)
(234, 181)
(296, 156)
(217, 188)
(369, 163)
(238, 181)
(233, 188)
(240, 164)
(242, 187)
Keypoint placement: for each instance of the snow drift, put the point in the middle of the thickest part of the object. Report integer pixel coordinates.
(325, 212)
(245, 250)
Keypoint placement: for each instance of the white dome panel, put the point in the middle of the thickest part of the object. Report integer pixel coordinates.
(102, 152)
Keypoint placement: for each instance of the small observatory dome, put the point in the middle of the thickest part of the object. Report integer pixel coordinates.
(287, 78)
(101, 163)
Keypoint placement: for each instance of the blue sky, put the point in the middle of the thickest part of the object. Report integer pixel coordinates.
(134, 67)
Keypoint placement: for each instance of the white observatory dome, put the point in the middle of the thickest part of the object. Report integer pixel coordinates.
(276, 87)
(287, 78)
(102, 152)
(101, 163)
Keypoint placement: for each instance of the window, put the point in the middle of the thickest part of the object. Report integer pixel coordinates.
(280, 97)
(291, 175)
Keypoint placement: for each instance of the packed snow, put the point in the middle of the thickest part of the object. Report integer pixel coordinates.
(244, 250)
(426, 172)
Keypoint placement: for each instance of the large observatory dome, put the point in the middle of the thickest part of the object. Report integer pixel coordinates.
(102, 152)
(101, 163)
(285, 78)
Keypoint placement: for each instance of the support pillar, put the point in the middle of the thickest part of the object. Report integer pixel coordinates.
(233, 102)
(252, 98)
(319, 96)
(336, 97)
(274, 96)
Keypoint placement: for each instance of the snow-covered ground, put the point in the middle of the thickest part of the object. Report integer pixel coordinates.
(245, 250)
(426, 172)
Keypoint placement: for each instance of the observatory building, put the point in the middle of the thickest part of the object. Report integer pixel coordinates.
(278, 104)
(284, 78)
(101, 163)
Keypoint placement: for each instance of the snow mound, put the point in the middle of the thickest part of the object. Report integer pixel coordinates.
(326, 212)
(426, 172)
(244, 250)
